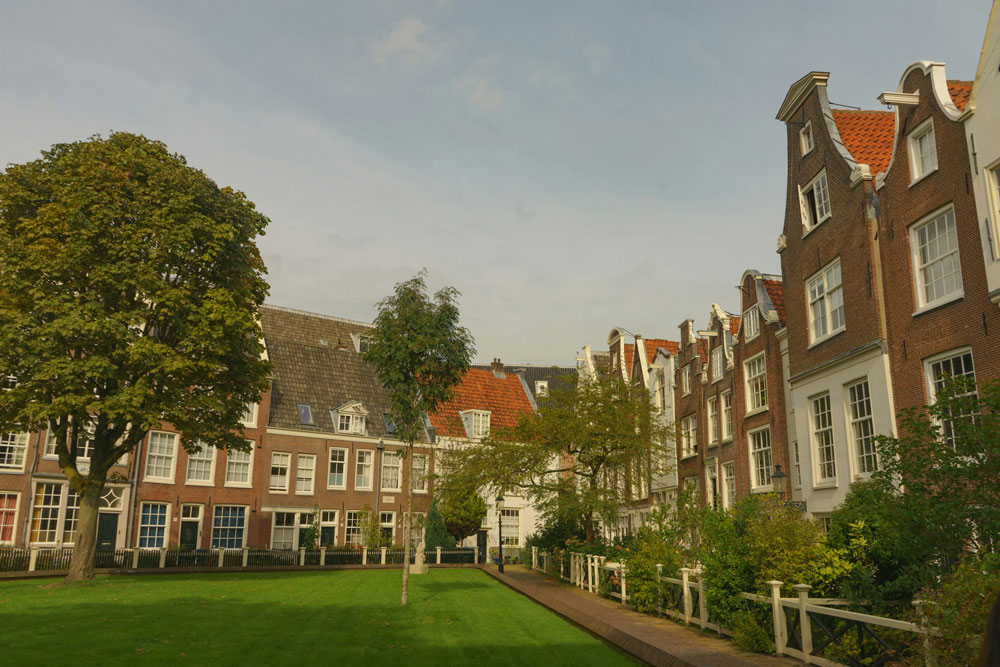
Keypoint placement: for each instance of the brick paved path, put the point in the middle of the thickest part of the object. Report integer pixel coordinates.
(656, 641)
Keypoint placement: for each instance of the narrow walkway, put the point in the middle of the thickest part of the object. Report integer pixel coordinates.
(656, 641)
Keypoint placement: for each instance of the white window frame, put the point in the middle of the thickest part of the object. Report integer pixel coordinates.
(689, 435)
(479, 424)
(244, 529)
(357, 424)
(727, 415)
(163, 540)
(686, 379)
(718, 362)
(919, 284)
(370, 464)
(712, 412)
(389, 523)
(211, 467)
(752, 394)
(275, 456)
(728, 486)
(806, 140)
(814, 217)
(751, 323)
(418, 476)
(761, 459)
(816, 432)
(299, 458)
(992, 178)
(249, 418)
(918, 169)
(399, 471)
(173, 458)
(343, 474)
(930, 379)
(199, 518)
(354, 515)
(862, 421)
(14, 519)
(506, 526)
(18, 444)
(249, 463)
(326, 522)
(830, 292)
(541, 388)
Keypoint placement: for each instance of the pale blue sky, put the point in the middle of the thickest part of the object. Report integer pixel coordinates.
(569, 166)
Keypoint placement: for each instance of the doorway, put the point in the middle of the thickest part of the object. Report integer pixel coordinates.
(107, 530)
(482, 538)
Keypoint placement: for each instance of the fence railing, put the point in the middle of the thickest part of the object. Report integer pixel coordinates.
(13, 559)
(817, 631)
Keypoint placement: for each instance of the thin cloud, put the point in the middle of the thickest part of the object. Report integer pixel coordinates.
(408, 42)
(481, 92)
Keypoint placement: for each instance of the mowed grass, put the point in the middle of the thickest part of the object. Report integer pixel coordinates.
(346, 617)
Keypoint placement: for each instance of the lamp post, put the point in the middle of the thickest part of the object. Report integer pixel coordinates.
(377, 485)
(500, 532)
(780, 481)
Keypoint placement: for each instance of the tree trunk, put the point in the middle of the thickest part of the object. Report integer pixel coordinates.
(81, 565)
(408, 524)
(588, 528)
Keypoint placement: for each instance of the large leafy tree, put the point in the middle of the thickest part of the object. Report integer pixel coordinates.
(129, 290)
(581, 457)
(462, 507)
(420, 352)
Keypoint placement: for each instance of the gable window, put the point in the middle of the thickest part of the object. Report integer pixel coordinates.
(718, 363)
(363, 470)
(200, 465)
(936, 268)
(760, 457)
(13, 447)
(238, 465)
(305, 414)
(229, 527)
(351, 418)
(279, 472)
(686, 379)
(756, 384)
(859, 399)
(420, 473)
(727, 415)
(814, 199)
(689, 435)
(305, 473)
(923, 152)
(338, 469)
(160, 456)
(826, 463)
(713, 417)
(806, 138)
(390, 471)
(826, 303)
(751, 323)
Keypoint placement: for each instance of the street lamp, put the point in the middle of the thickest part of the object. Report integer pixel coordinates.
(500, 532)
(780, 480)
(377, 485)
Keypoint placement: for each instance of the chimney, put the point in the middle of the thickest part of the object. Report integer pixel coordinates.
(497, 366)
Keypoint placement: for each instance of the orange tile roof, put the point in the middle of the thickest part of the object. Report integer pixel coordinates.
(776, 290)
(703, 348)
(504, 398)
(960, 92)
(868, 136)
(653, 343)
(629, 350)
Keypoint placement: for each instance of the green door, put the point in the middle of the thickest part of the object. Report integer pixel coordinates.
(107, 530)
(189, 535)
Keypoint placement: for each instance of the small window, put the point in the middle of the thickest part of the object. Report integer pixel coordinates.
(713, 417)
(806, 138)
(348, 423)
(686, 379)
(364, 342)
(305, 472)
(541, 388)
(420, 473)
(826, 303)
(936, 267)
(815, 202)
(305, 414)
(718, 362)
(390, 425)
(751, 323)
(923, 151)
(338, 469)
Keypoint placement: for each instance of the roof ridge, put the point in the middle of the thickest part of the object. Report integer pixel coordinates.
(309, 313)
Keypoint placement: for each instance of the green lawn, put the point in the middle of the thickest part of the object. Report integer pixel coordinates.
(346, 617)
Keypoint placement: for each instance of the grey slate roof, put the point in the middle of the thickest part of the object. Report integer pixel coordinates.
(314, 361)
(558, 377)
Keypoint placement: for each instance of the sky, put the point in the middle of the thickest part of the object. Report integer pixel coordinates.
(570, 167)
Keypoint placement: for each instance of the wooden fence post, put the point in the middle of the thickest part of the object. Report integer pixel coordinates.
(246, 556)
(135, 559)
(302, 556)
(805, 625)
(222, 556)
(364, 556)
(385, 550)
(686, 590)
(33, 559)
(778, 616)
(163, 558)
(322, 555)
(438, 549)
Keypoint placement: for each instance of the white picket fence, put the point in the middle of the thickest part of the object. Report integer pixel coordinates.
(804, 627)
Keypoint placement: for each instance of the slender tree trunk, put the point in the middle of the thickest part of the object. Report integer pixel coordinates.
(81, 566)
(408, 524)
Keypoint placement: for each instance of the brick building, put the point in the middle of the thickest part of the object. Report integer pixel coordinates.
(689, 410)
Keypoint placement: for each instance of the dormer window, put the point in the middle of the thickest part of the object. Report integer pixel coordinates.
(361, 342)
(305, 414)
(814, 199)
(351, 418)
(923, 151)
(541, 387)
(390, 425)
(806, 138)
(477, 423)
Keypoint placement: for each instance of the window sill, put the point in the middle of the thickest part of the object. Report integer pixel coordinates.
(304, 493)
(336, 488)
(727, 440)
(816, 226)
(394, 491)
(241, 485)
(190, 483)
(923, 176)
(278, 492)
(688, 457)
(820, 341)
(827, 484)
(940, 303)
(763, 489)
(757, 411)
(157, 480)
(12, 471)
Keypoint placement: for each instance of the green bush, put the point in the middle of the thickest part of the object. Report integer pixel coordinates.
(435, 532)
(641, 558)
